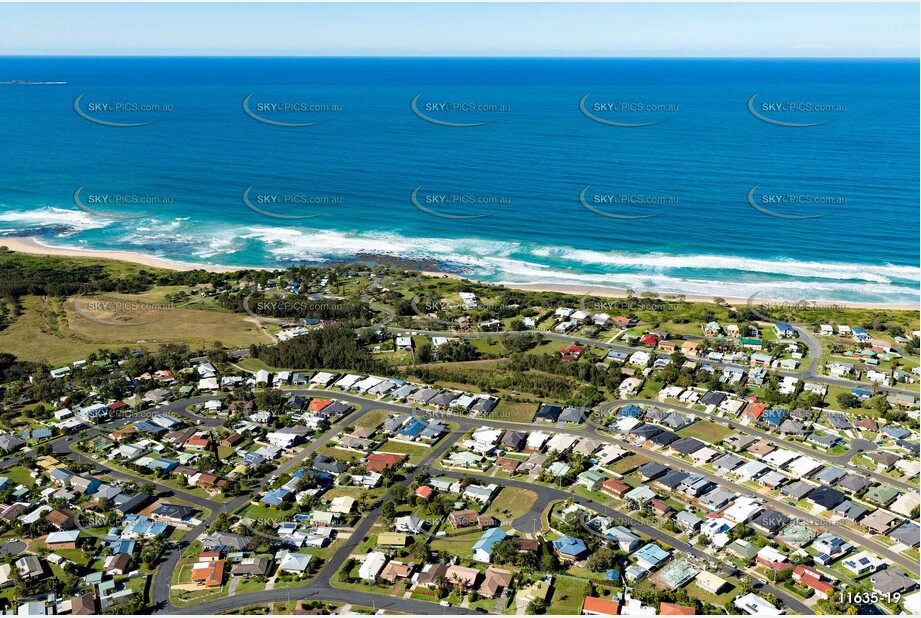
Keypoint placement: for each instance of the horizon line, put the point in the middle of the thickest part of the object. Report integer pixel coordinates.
(461, 57)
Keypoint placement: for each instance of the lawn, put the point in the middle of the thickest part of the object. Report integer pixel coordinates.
(56, 332)
(456, 545)
(706, 431)
(511, 503)
(372, 419)
(267, 513)
(415, 451)
(19, 475)
(338, 453)
(515, 412)
(628, 463)
(568, 594)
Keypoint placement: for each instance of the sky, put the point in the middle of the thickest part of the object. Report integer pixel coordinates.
(441, 29)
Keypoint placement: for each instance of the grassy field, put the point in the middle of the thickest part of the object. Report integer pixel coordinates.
(568, 594)
(511, 503)
(706, 431)
(18, 475)
(415, 451)
(338, 453)
(268, 513)
(628, 463)
(58, 332)
(515, 412)
(372, 419)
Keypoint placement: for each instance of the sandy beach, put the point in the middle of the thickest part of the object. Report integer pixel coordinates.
(34, 246)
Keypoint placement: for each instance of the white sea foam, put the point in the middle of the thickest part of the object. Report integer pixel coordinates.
(47, 216)
(661, 262)
(517, 263)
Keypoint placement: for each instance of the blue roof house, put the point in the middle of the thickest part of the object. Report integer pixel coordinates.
(774, 416)
(570, 548)
(650, 556)
(482, 549)
(275, 497)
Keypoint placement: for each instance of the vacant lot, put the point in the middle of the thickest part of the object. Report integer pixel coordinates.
(511, 503)
(706, 431)
(60, 332)
(628, 463)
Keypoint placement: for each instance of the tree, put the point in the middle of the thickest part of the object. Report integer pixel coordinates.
(536, 607)
(424, 353)
(399, 493)
(602, 559)
(389, 511)
(848, 400)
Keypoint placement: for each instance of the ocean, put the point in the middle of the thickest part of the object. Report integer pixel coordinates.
(786, 179)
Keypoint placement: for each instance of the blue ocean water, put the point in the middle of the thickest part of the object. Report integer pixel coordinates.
(545, 186)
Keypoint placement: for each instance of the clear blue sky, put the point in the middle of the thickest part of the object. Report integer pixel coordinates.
(667, 29)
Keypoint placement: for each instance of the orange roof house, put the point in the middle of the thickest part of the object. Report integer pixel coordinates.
(755, 410)
(615, 487)
(378, 462)
(593, 606)
(198, 442)
(813, 579)
(318, 404)
(210, 574)
(673, 609)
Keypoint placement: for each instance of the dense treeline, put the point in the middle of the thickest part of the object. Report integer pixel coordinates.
(584, 372)
(335, 347)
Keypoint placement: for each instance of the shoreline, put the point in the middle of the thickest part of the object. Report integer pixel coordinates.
(31, 245)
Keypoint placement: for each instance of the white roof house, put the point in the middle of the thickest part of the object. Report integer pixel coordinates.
(563, 312)
(368, 383)
(803, 467)
(536, 440)
(754, 605)
(742, 510)
(347, 381)
(372, 566)
(323, 378)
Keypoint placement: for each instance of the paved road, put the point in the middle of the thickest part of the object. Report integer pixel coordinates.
(10, 548)
(321, 588)
(857, 445)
